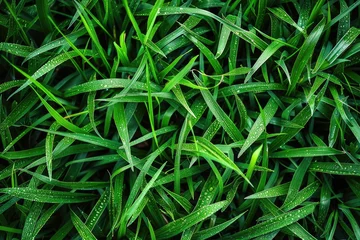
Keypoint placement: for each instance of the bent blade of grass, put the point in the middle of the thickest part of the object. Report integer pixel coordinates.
(183, 202)
(173, 228)
(47, 196)
(224, 37)
(182, 137)
(181, 98)
(207, 53)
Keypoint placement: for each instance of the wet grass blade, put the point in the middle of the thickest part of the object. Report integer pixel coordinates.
(47, 196)
(181, 224)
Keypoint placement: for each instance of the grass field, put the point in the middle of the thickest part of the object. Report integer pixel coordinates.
(191, 119)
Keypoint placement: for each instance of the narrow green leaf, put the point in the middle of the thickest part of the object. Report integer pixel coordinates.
(47, 196)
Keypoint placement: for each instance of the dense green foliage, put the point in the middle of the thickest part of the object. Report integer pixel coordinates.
(198, 119)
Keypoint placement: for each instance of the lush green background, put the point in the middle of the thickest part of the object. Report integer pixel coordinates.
(179, 119)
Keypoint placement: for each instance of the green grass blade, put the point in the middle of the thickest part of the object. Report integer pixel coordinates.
(47, 196)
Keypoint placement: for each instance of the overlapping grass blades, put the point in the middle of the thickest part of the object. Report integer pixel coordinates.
(159, 119)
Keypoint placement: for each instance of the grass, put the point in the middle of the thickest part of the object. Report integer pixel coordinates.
(179, 119)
